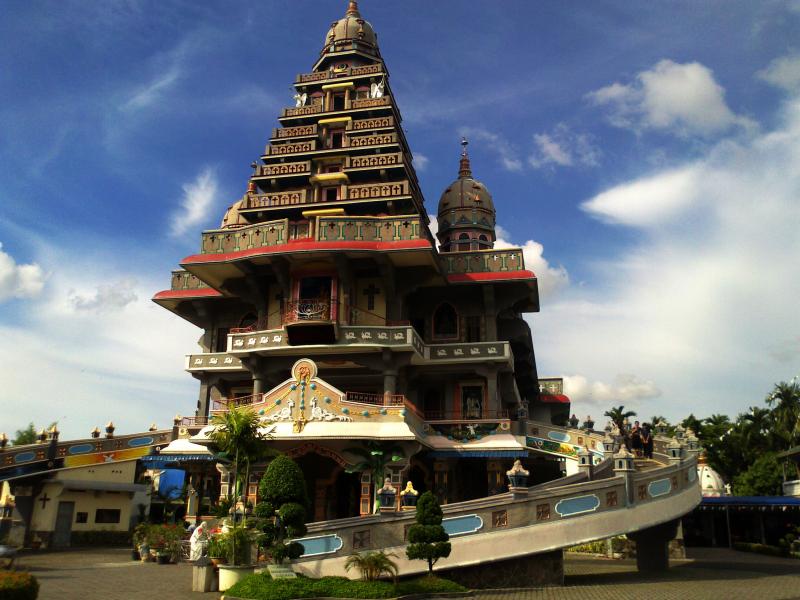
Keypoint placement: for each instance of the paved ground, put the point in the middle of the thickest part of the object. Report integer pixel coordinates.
(708, 574)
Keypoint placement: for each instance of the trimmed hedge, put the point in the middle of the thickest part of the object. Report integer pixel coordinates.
(100, 538)
(16, 585)
(263, 587)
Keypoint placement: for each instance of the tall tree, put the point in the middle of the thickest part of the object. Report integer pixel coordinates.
(785, 402)
(25, 436)
(618, 415)
(375, 457)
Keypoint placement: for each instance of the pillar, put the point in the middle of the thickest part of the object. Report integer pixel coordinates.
(493, 404)
(652, 546)
(389, 382)
(490, 311)
(441, 480)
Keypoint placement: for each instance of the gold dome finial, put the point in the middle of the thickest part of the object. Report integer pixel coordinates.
(352, 9)
(464, 168)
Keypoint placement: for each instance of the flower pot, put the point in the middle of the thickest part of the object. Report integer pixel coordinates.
(230, 575)
(387, 500)
(517, 481)
(409, 499)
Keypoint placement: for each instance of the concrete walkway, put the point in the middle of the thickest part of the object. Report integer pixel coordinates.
(105, 574)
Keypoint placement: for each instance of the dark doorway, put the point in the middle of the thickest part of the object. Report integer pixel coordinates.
(315, 288)
(63, 532)
(433, 405)
(473, 479)
(338, 101)
(333, 493)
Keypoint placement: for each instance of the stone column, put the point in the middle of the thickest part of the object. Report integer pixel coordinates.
(441, 480)
(389, 382)
(492, 401)
(652, 546)
(491, 313)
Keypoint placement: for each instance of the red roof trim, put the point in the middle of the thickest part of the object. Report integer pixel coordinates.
(554, 398)
(490, 276)
(181, 294)
(300, 246)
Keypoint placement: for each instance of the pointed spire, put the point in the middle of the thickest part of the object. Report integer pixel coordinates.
(464, 168)
(352, 9)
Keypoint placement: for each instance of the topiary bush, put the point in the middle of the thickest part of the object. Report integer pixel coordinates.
(283, 509)
(17, 585)
(428, 539)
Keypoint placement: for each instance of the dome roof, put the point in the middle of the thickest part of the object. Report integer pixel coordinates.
(711, 483)
(351, 28)
(458, 203)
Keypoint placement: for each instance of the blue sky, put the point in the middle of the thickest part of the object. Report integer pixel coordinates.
(645, 158)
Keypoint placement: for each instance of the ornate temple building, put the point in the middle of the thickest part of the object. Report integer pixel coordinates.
(329, 307)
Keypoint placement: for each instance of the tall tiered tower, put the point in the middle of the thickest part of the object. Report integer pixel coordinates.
(327, 308)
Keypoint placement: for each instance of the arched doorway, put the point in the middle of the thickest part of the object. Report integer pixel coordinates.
(333, 493)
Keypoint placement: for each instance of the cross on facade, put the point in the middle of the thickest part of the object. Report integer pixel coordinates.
(370, 292)
(44, 500)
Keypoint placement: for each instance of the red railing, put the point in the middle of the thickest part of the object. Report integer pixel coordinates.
(376, 399)
(451, 415)
(298, 311)
(227, 403)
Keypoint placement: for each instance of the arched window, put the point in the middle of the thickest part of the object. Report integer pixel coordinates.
(445, 322)
(463, 242)
(248, 321)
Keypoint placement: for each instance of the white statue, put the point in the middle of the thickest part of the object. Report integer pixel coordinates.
(376, 90)
(198, 542)
(300, 99)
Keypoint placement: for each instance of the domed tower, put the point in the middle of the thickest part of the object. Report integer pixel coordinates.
(466, 215)
(351, 33)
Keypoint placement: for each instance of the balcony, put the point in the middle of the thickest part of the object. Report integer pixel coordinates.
(292, 132)
(283, 149)
(310, 321)
(213, 361)
(285, 198)
(374, 161)
(370, 124)
(375, 399)
(319, 76)
(275, 170)
(482, 261)
(369, 191)
(301, 111)
(319, 109)
(368, 229)
(451, 416)
(183, 280)
(228, 403)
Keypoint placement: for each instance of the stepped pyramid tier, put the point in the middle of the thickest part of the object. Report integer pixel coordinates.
(466, 215)
(326, 265)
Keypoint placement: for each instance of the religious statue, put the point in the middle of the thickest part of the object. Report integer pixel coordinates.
(300, 99)
(198, 542)
(376, 90)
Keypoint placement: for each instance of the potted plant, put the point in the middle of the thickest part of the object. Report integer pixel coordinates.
(141, 548)
(217, 550)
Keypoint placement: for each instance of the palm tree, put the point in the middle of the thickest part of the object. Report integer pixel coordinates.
(785, 402)
(756, 426)
(618, 415)
(375, 457)
(237, 436)
(372, 564)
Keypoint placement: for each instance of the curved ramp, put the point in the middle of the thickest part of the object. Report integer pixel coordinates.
(546, 517)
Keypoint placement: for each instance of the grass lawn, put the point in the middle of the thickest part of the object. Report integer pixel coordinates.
(263, 587)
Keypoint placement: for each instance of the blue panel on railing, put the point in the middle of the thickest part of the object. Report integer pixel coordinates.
(660, 487)
(321, 544)
(24, 457)
(80, 449)
(136, 442)
(462, 525)
(577, 505)
(558, 436)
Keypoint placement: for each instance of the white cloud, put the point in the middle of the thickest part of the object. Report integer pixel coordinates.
(76, 361)
(152, 91)
(420, 161)
(783, 72)
(563, 148)
(505, 151)
(684, 99)
(648, 201)
(703, 304)
(625, 388)
(550, 279)
(19, 281)
(198, 198)
(106, 298)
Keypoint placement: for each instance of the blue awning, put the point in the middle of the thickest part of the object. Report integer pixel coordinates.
(754, 501)
(478, 453)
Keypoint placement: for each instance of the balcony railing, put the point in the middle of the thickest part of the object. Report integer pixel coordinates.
(194, 421)
(339, 74)
(452, 415)
(299, 311)
(284, 169)
(228, 403)
(183, 280)
(482, 261)
(285, 198)
(376, 399)
(369, 229)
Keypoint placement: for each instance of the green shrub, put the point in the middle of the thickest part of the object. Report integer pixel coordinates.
(283, 482)
(16, 585)
(428, 539)
(283, 489)
(262, 587)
